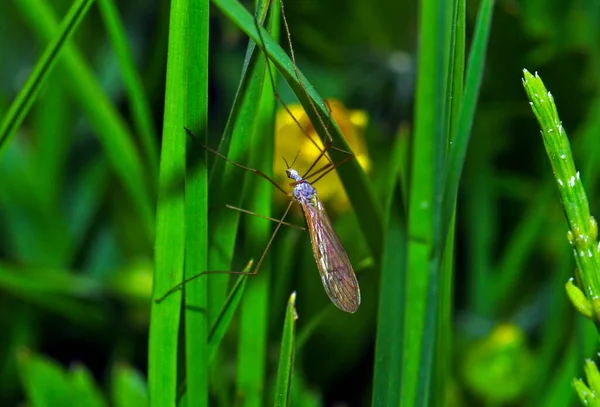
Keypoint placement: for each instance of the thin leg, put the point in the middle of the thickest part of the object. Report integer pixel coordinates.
(254, 170)
(327, 168)
(272, 78)
(312, 103)
(235, 208)
(253, 273)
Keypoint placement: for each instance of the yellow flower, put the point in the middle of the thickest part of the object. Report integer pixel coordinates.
(290, 140)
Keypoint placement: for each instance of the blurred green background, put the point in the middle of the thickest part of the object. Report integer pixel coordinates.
(76, 250)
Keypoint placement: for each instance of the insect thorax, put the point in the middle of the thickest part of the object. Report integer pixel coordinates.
(304, 191)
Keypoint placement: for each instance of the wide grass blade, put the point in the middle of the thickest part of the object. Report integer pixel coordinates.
(170, 230)
(196, 208)
(30, 90)
(286, 356)
(231, 181)
(428, 157)
(252, 341)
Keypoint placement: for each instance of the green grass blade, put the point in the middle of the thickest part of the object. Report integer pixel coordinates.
(170, 230)
(364, 203)
(196, 209)
(128, 387)
(140, 106)
(425, 244)
(390, 318)
(388, 349)
(83, 388)
(286, 356)
(252, 341)
(460, 139)
(111, 130)
(231, 181)
(224, 318)
(30, 90)
(45, 381)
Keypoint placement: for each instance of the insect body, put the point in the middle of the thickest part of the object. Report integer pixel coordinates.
(334, 266)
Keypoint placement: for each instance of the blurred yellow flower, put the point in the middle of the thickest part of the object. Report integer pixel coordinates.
(290, 141)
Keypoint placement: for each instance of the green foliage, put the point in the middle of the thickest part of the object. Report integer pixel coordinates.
(453, 224)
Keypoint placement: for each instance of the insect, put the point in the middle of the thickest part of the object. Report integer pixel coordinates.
(334, 266)
(337, 274)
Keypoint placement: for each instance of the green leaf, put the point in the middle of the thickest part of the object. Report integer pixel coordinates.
(110, 127)
(30, 90)
(139, 103)
(389, 336)
(45, 381)
(128, 387)
(253, 332)
(170, 228)
(196, 209)
(83, 388)
(286, 356)
(224, 318)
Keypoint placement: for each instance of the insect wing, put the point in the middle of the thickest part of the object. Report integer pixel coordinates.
(334, 266)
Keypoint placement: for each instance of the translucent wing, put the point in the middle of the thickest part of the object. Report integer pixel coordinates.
(334, 266)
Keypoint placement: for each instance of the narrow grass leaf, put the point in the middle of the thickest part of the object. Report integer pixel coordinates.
(170, 230)
(128, 387)
(460, 140)
(29, 92)
(45, 381)
(224, 318)
(84, 390)
(286, 356)
(138, 101)
(253, 335)
(111, 130)
(390, 319)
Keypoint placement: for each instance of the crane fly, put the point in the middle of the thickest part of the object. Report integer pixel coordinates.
(337, 274)
(334, 266)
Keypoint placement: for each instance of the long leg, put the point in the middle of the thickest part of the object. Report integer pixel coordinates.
(253, 273)
(277, 96)
(254, 170)
(235, 208)
(312, 103)
(345, 160)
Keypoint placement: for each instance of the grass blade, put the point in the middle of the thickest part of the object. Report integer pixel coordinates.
(224, 318)
(252, 341)
(29, 92)
(286, 356)
(390, 318)
(196, 209)
(235, 143)
(111, 130)
(429, 146)
(128, 387)
(170, 231)
(45, 381)
(140, 106)
(388, 355)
